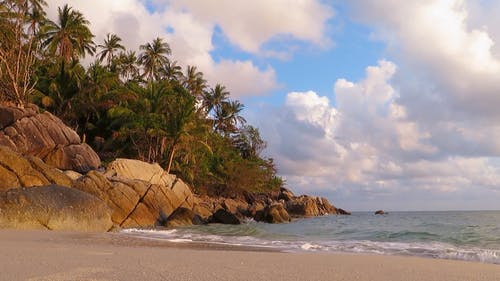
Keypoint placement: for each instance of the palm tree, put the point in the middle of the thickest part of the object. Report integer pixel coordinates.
(194, 81)
(214, 98)
(127, 65)
(153, 56)
(70, 37)
(109, 48)
(171, 71)
(36, 15)
(227, 117)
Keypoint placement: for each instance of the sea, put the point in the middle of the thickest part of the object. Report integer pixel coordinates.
(458, 235)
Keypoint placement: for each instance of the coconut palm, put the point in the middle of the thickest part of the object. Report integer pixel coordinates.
(36, 15)
(127, 65)
(109, 48)
(69, 37)
(214, 98)
(171, 71)
(153, 56)
(194, 81)
(227, 116)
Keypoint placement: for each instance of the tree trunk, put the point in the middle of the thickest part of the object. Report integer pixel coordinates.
(171, 158)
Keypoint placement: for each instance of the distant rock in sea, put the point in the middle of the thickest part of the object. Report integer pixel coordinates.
(380, 212)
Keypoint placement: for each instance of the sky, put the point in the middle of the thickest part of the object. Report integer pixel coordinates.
(374, 104)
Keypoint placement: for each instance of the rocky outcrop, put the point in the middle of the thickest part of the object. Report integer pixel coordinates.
(53, 207)
(380, 212)
(45, 136)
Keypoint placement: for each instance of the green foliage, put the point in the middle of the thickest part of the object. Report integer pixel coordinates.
(143, 106)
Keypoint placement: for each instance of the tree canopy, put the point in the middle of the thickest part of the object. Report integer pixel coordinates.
(130, 104)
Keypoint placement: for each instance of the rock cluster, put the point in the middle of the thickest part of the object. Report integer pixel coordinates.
(36, 193)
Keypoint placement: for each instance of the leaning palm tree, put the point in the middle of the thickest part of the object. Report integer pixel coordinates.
(153, 56)
(109, 48)
(227, 117)
(69, 37)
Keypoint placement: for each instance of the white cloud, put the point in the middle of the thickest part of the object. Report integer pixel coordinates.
(250, 24)
(189, 26)
(368, 149)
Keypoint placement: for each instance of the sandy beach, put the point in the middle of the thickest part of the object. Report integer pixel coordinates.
(44, 255)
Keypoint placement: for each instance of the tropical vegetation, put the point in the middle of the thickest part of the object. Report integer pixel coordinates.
(130, 104)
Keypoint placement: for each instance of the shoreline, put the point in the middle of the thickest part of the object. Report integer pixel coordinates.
(47, 255)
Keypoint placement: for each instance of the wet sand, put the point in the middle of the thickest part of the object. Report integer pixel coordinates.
(54, 256)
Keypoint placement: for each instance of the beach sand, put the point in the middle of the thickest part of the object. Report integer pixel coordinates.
(45, 255)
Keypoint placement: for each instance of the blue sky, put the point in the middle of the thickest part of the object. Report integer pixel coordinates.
(375, 104)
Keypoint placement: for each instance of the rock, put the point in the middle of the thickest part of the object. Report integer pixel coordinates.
(53, 207)
(202, 210)
(17, 171)
(303, 206)
(380, 212)
(135, 202)
(135, 169)
(78, 157)
(224, 217)
(285, 194)
(274, 213)
(45, 136)
(237, 207)
(342, 212)
(52, 174)
(183, 217)
(72, 174)
(256, 207)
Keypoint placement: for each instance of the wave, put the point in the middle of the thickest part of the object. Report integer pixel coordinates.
(429, 249)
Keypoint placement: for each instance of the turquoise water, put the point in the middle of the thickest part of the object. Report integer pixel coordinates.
(467, 235)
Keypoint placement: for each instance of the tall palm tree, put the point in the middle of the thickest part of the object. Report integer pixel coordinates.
(215, 97)
(194, 81)
(153, 56)
(109, 48)
(70, 37)
(227, 117)
(127, 65)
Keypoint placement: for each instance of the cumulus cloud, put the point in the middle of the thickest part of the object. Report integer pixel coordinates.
(189, 27)
(367, 149)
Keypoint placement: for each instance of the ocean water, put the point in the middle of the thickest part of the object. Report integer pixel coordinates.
(460, 235)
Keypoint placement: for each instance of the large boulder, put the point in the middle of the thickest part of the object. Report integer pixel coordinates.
(45, 136)
(53, 207)
(136, 202)
(18, 171)
(183, 217)
(224, 217)
(151, 173)
(139, 170)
